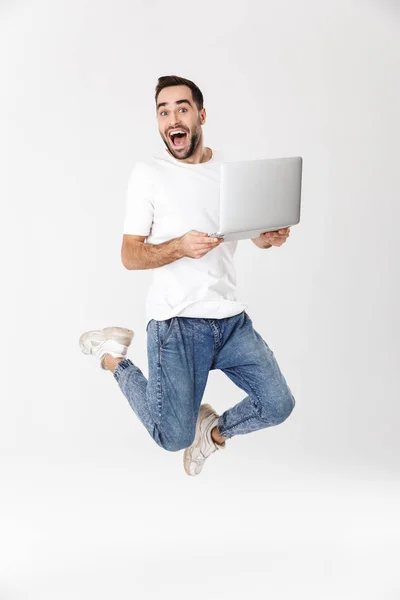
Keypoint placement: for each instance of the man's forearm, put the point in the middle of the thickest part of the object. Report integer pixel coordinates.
(150, 256)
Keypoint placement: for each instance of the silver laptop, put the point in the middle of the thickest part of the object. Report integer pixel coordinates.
(258, 196)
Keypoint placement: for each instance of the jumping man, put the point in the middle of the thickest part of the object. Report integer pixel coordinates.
(194, 323)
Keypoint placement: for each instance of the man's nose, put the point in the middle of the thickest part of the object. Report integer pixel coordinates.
(175, 120)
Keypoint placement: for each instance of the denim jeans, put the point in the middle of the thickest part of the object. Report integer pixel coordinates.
(181, 352)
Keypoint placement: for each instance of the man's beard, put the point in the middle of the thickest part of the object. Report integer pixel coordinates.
(194, 142)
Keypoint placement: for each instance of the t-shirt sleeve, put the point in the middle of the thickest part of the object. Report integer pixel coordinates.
(139, 207)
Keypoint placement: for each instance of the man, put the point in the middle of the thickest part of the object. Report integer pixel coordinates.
(194, 322)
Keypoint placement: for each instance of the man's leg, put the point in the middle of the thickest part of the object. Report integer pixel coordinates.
(217, 437)
(180, 353)
(111, 361)
(248, 361)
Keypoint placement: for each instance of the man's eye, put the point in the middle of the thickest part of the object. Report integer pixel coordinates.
(165, 112)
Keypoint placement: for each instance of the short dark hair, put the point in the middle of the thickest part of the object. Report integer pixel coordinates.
(168, 80)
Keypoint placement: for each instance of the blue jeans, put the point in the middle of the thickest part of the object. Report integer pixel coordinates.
(181, 351)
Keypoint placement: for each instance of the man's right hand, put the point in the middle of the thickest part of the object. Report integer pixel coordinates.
(195, 244)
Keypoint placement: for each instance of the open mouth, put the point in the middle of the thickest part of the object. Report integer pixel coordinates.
(178, 137)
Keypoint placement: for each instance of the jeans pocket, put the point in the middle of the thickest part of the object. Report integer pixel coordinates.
(164, 331)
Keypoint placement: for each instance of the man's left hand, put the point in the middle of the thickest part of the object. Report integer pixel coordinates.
(275, 238)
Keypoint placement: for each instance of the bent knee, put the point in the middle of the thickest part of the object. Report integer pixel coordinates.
(286, 407)
(174, 443)
(281, 410)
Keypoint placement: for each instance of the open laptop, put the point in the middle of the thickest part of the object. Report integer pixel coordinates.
(258, 196)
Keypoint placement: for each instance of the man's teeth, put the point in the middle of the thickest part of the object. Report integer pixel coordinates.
(171, 133)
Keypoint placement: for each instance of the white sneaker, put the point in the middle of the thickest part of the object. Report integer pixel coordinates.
(203, 445)
(110, 340)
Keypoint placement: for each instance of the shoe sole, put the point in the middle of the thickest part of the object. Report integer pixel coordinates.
(187, 455)
(119, 334)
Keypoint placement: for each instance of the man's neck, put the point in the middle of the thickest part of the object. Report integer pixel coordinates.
(201, 156)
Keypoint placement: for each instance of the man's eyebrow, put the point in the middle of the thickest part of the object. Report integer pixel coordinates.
(177, 102)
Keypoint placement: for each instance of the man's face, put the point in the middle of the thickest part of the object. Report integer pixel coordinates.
(178, 111)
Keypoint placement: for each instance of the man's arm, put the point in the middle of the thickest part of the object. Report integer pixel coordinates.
(135, 254)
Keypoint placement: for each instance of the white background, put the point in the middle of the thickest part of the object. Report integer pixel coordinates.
(90, 506)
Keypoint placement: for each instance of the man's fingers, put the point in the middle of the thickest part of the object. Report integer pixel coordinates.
(276, 234)
(278, 231)
(207, 246)
(210, 241)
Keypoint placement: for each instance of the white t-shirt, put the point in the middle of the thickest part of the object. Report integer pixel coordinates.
(165, 199)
